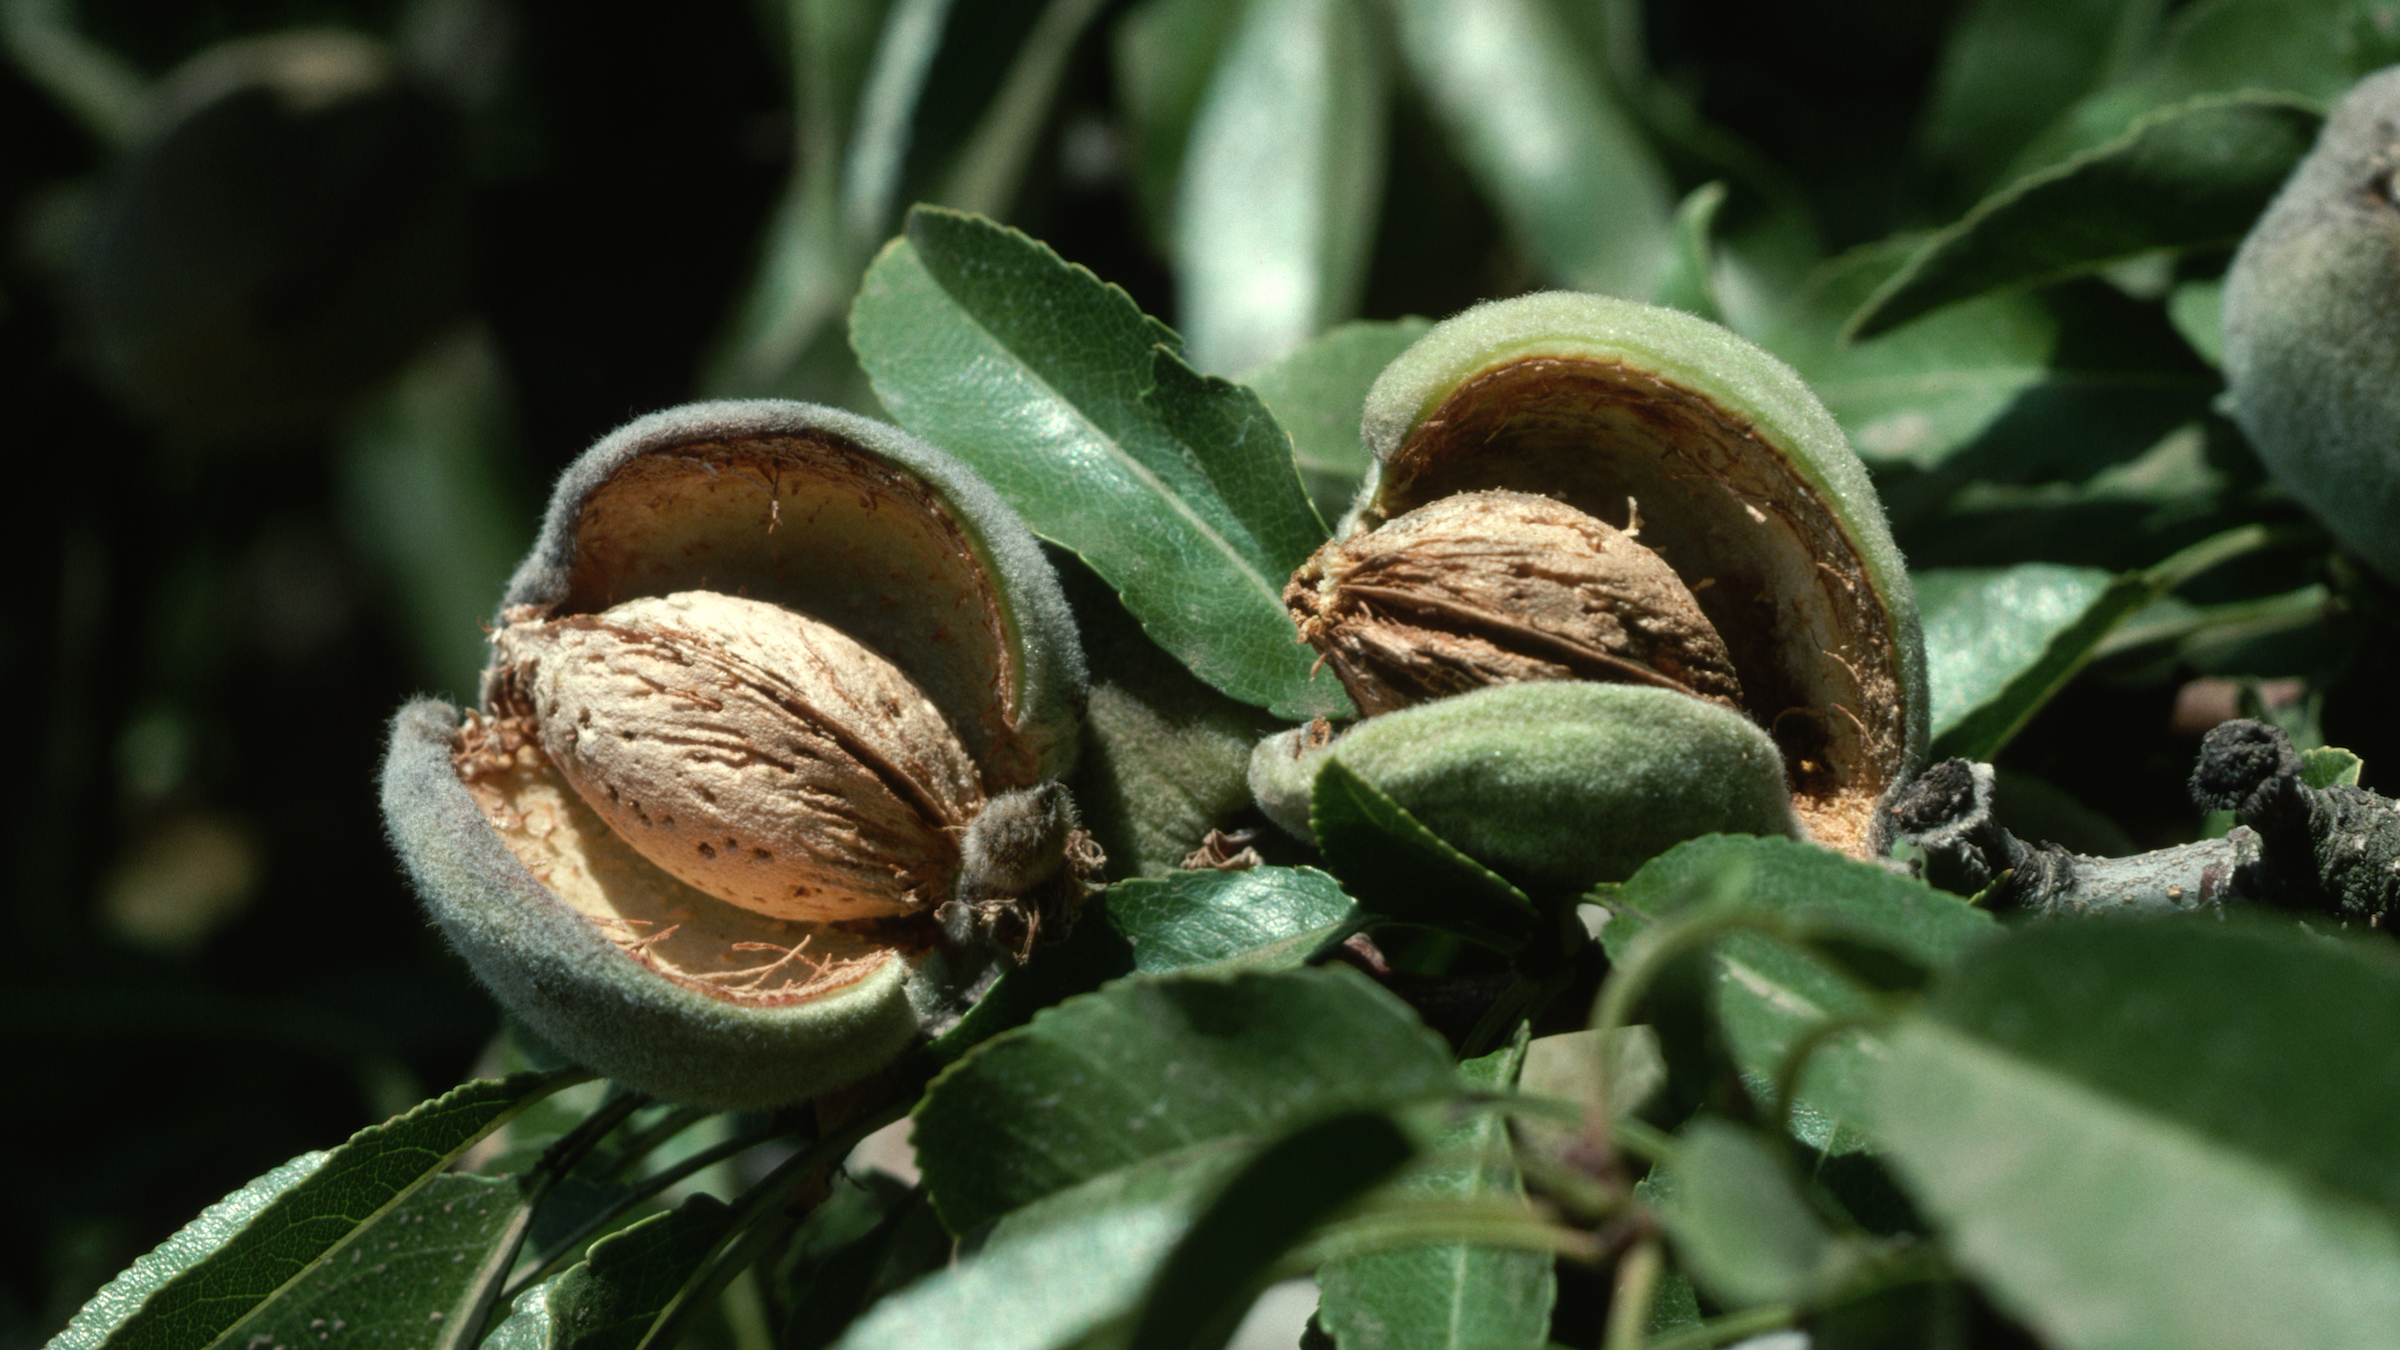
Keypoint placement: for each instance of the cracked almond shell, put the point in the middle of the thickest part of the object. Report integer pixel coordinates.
(1733, 473)
(849, 522)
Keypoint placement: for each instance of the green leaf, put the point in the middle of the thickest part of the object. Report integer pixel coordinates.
(1401, 870)
(1074, 405)
(1318, 393)
(612, 1297)
(873, 1235)
(1162, 54)
(1151, 1065)
(278, 1236)
(1062, 1267)
(2311, 49)
(1690, 281)
(1956, 604)
(1247, 457)
(2327, 766)
(423, 491)
(2197, 309)
(857, 72)
(1449, 1295)
(2162, 1134)
(2185, 177)
(1535, 122)
(1770, 994)
(1740, 1224)
(1291, 1186)
(2013, 387)
(1989, 638)
(413, 1276)
(1264, 917)
(990, 164)
(1275, 217)
(2011, 67)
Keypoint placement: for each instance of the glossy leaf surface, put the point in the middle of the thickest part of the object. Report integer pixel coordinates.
(286, 1235)
(1178, 489)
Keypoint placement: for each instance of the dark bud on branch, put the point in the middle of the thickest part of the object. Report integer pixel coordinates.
(2332, 851)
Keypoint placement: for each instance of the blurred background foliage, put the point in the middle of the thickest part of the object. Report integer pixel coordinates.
(303, 304)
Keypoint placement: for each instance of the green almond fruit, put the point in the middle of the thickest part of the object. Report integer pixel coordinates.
(2312, 327)
(780, 696)
(1556, 784)
(1578, 488)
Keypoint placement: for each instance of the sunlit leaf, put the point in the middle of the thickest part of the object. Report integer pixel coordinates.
(1532, 117)
(1261, 917)
(1281, 177)
(1074, 405)
(1062, 1267)
(289, 1234)
(1998, 641)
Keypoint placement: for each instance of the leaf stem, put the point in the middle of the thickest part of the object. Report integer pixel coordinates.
(648, 1187)
(1637, 1287)
(1731, 1327)
(539, 1180)
(763, 1214)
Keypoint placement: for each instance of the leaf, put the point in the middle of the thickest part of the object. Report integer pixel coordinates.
(1162, 54)
(1740, 1224)
(1536, 124)
(1152, 1065)
(2312, 49)
(2011, 67)
(2184, 177)
(2327, 766)
(246, 1253)
(1690, 280)
(1989, 633)
(421, 477)
(990, 165)
(1771, 994)
(2042, 597)
(857, 72)
(2162, 1134)
(1265, 917)
(413, 1275)
(1092, 955)
(1060, 1268)
(1291, 1186)
(1075, 406)
(1318, 394)
(1451, 1295)
(873, 1236)
(2012, 387)
(611, 1298)
(1275, 216)
(1401, 870)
